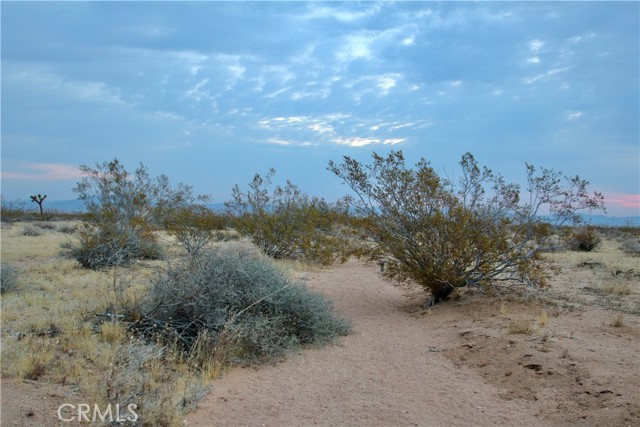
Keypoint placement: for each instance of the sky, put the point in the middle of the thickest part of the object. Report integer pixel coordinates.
(210, 93)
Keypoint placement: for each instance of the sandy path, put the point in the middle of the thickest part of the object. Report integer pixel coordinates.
(384, 374)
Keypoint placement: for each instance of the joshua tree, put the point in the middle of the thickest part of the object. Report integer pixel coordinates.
(39, 199)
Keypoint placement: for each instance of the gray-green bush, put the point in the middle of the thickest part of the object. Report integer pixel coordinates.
(32, 230)
(234, 290)
(8, 278)
(631, 246)
(123, 211)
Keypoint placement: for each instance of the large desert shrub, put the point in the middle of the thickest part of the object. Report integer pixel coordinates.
(286, 223)
(476, 231)
(234, 291)
(123, 210)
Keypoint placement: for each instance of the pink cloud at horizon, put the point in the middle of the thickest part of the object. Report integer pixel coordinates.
(623, 201)
(45, 172)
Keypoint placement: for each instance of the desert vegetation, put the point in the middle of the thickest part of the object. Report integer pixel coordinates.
(286, 223)
(145, 299)
(445, 234)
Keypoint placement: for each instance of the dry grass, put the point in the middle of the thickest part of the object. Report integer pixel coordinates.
(53, 331)
(543, 319)
(521, 326)
(618, 321)
(609, 255)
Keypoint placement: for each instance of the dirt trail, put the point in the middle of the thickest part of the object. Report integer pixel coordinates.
(390, 372)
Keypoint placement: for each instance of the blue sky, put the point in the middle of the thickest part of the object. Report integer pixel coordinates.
(210, 93)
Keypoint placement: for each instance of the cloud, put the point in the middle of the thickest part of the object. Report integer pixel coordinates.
(44, 81)
(545, 76)
(356, 141)
(408, 41)
(340, 14)
(535, 45)
(623, 200)
(379, 84)
(321, 127)
(44, 172)
(278, 141)
(386, 83)
(533, 60)
(277, 92)
(573, 115)
(577, 39)
(356, 46)
(197, 93)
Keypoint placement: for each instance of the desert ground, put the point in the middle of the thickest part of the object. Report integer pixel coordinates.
(568, 355)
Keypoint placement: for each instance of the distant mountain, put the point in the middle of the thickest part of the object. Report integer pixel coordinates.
(79, 206)
(69, 206)
(599, 220)
(612, 221)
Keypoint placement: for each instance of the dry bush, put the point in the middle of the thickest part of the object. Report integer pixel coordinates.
(618, 321)
(14, 211)
(521, 326)
(124, 209)
(585, 239)
(232, 290)
(286, 223)
(195, 227)
(46, 225)
(57, 330)
(8, 278)
(31, 230)
(444, 235)
(631, 246)
(616, 287)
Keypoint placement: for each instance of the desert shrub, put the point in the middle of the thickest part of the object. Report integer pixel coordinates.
(32, 230)
(444, 235)
(67, 228)
(631, 246)
(100, 247)
(584, 239)
(123, 210)
(236, 291)
(194, 227)
(286, 223)
(8, 278)
(13, 211)
(46, 225)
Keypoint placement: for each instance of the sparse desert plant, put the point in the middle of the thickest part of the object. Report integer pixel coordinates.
(195, 227)
(631, 246)
(67, 228)
(618, 321)
(585, 239)
(46, 225)
(521, 326)
(616, 286)
(31, 230)
(443, 234)
(8, 278)
(123, 210)
(286, 223)
(544, 319)
(233, 289)
(13, 211)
